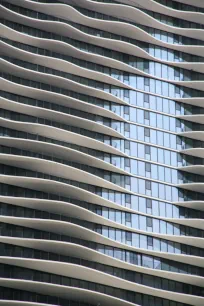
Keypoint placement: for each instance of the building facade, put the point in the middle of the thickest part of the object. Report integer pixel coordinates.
(102, 152)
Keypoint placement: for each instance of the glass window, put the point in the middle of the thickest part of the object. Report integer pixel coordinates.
(135, 222)
(133, 114)
(153, 102)
(140, 116)
(154, 172)
(134, 184)
(141, 186)
(141, 168)
(141, 151)
(160, 138)
(140, 134)
(133, 131)
(167, 175)
(161, 173)
(163, 246)
(153, 137)
(161, 156)
(155, 191)
(134, 166)
(153, 151)
(153, 120)
(143, 223)
(163, 227)
(143, 242)
(142, 205)
(133, 148)
(169, 211)
(167, 159)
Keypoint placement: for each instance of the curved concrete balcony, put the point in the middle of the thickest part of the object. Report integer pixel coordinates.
(197, 152)
(71, 249)
(58, 169)
(68, 67)
(134, 14)
(136, 33)
(59, 117)
(65, 292)
(64, 48)
(58, 151)
(59, 134)
(166, 10)
(53, 97)
(58, 81)
(84, 273)
(77, 231)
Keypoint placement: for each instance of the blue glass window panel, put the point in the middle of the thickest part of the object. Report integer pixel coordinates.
(155, 208)
(142, 205)
(174, 159)
(158, 87)
(154, 171)
(158, 68)
(152, 68)
(153, 102)
(141, 186)
(155, 191)
(160, 138)
(153, 151)
(153, 136)
(140, 82)
(140, 99)
(153, 119)
(152, 86)
(166, 123)
(168, 191)
(141, 150)
(134, 182)
(170, 230)
(135, 202)
(177, 230)
(168, 175)
(143, 242)
(133, 166)
(167, 157)
(141, 168)
(163, 246)
(161, 191)
(133, 114)
(170, 247)
(143, 223)
(163, 227)
(140, 133)
(164, 72)
(175, 211)
(173, 141)
(161, 156)
(135, 223)
(133, 131)
(135, 240)
(173, 124)
(133, 149)
(165, 89)
(140, 116)
(174, 176)
(161, 173)
(175, 196)
(155, 226)
(166, 140)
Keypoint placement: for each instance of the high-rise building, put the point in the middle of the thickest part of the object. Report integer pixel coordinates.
(102, 152)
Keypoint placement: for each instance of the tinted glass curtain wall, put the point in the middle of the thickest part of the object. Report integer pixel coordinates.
(102, 152)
